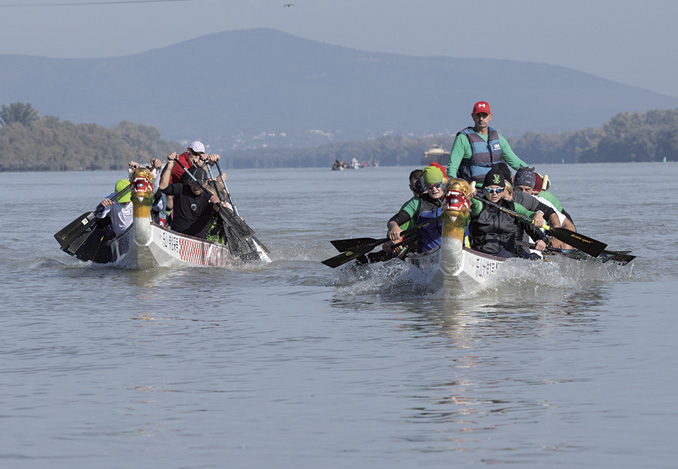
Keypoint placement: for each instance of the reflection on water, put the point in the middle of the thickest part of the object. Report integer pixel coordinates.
(479, 377)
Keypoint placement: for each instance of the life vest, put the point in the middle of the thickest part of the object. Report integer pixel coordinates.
(430, 210)
(483, 155)
(494, 230)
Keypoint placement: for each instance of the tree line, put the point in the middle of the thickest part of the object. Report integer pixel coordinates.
(627, 137)
(29, 142)
(32, 143)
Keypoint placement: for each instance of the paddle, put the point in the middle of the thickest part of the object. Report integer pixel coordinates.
(588, 245)
(616, 256)
(344, 245)
(383, 256)
(77, 227)
(261, 249)
(245, 248)
(360, 250)
(620, 257)
(623, 257)
(349, 255)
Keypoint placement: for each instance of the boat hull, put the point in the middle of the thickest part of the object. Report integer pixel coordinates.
(162, 248)
(457, 270)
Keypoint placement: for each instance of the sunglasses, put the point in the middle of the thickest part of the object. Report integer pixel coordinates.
(437, 185)
(498, 190)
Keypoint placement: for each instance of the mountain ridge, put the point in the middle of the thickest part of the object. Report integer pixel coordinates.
(263, 87)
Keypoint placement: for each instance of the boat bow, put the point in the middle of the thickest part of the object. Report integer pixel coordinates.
(456, 217)
(142, 200)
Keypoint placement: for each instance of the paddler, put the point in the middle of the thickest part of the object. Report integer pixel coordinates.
(424, 211)
(195, 156)
(544, 210)
(194, 208)
(114, 217)
(387, 249)
(527, 181)
(494, 231)
(119, 211)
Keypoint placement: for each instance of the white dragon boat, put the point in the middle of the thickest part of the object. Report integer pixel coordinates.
(462, 269)
(147, 245)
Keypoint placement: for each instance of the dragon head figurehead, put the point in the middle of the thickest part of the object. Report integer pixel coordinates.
(142, 191)
(457, 208)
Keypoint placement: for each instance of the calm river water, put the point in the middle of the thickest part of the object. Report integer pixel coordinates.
(294, 364)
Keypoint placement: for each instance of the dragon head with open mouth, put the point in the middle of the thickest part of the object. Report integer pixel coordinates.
(457, 208)
(142, 189)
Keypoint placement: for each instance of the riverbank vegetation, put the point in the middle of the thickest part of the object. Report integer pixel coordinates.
(49, 144)
(29, 142)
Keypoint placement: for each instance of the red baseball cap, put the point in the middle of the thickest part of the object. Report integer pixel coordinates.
(481, 106)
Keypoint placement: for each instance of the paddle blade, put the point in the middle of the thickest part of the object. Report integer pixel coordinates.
(237, 224)
(348, 256)
(343, 245)
(616, 257)
(74, 229)
(261, 249)
(590, 246)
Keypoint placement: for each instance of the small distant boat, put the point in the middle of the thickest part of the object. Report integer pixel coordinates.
(354, 164)
(435, 153)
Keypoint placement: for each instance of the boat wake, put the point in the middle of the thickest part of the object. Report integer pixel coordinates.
(398, 279)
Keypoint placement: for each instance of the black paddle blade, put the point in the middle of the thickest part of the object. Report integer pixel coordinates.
(619, 257)
(239, 239)
(74, 229)
(614, 257)
(238, 226)
(353, 243)
(348, 256)
(590, 246)
(343, 245)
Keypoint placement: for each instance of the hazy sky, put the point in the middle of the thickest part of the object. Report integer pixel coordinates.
(632, 42)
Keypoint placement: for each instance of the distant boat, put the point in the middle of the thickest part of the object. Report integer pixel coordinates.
(435, 153)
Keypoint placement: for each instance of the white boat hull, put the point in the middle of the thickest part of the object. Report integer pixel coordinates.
(162, 248)
(459, 271)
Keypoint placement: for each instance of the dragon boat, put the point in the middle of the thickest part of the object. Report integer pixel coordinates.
(147, 245)
(462, 269)
(456, 267)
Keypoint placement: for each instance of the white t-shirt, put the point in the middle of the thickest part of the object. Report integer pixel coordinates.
(122, 215)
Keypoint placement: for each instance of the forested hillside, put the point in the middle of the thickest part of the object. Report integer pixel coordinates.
(650, 136)
(32, 143)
